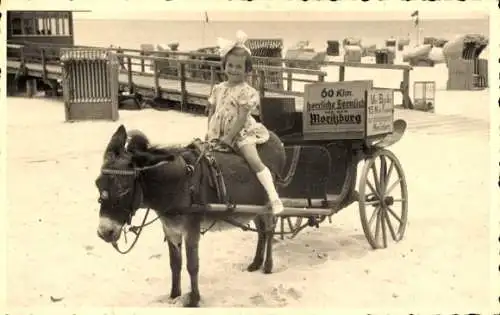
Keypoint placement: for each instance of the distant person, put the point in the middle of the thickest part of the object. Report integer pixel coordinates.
(229, 114)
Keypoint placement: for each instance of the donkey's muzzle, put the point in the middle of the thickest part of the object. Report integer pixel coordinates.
(108, 230)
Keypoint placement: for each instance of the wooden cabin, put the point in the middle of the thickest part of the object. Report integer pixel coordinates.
(465, 70)
(384, 56)
(53, 27)
(268, 47)
(352, 54)
(33, 29)
(333, 48)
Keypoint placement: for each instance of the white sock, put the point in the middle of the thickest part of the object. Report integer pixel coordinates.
(266, 179)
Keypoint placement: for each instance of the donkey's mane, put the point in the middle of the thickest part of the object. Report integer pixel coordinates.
(139, 145)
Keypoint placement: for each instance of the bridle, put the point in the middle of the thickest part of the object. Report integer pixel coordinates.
(136, 173)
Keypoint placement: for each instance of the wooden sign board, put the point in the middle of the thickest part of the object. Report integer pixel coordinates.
(380, 112)
(346, 110)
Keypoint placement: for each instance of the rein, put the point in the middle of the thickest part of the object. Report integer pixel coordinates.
(135, 229)
(190, 168)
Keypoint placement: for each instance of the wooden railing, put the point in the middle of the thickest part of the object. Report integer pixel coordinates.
(193, 67)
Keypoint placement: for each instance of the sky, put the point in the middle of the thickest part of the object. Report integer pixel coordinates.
(278, 15)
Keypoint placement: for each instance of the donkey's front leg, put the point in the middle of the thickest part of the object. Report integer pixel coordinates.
(175, 252)
(269, 225)
(258, 258)
(192, 241)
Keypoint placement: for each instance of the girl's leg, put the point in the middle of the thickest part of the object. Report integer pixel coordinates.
(250, 153)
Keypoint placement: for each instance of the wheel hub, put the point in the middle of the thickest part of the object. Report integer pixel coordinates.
(388, 201)
(385, 202)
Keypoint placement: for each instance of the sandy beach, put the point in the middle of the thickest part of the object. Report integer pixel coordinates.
(52, 215)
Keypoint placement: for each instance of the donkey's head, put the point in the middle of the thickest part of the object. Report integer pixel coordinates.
(121, 181)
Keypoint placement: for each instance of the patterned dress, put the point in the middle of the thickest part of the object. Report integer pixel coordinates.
(227, 100)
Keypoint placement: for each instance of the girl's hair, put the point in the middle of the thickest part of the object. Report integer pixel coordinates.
(240, 52)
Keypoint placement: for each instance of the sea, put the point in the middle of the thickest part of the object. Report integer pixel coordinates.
(195, 34)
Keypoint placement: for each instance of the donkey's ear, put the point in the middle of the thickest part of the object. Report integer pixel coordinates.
(117, 143)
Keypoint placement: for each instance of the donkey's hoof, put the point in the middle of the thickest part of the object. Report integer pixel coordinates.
(268, 267)
(175, 294)
(254, 266)
(192, 300)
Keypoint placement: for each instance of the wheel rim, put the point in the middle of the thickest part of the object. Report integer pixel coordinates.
(383, 201)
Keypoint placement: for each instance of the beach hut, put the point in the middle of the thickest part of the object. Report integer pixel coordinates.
(465, 71)
(264, 47)
(201, 71)
(352, 53)
(483, 64)
(333, 48)
(368, 50)
(440, 42)
(384, 56)
(391, 42)
(435, 42)
(166, 67)
(302, 58)
(402, 42)
(351, 41)
(429, 40)
(148, 50)
(418, 56)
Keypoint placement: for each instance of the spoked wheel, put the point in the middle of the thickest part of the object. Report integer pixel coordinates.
(289, 226)
(383, 199)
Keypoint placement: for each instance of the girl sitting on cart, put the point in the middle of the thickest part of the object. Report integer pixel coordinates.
(230, 120)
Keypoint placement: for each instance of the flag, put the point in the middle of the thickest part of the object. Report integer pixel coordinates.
(415, 15)
(206, 17)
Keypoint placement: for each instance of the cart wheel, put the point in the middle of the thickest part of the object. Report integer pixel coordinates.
(288, 226)
(383, 207)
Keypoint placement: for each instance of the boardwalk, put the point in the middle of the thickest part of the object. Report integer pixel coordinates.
(144, 83)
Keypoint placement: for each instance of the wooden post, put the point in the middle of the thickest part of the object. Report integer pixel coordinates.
(289, 80)
(31, 87)
(142, 60)
(44, 66)
(21, 57)
(114, 84)
(341, 73)
(262, 83)
(182, 75)
(156, 79)
(406, 89)
(212, 76)
(129, 73)
(70, 31)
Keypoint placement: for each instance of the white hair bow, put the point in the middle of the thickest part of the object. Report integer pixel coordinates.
(226, 45)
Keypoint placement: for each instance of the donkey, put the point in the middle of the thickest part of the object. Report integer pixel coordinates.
(175, 182)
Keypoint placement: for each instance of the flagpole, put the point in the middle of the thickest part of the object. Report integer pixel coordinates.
(418, 28)
(204, 24)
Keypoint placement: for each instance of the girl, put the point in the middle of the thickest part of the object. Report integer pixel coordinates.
(230, 120)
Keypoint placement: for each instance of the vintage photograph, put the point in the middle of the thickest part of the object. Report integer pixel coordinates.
(284, 159)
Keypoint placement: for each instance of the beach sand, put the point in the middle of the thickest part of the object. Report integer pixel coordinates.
(52, 216)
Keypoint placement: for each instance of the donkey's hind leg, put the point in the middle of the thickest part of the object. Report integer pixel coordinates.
(175, 253)
(269, 222)
(192, 241)
(174, 240)
(261, 242)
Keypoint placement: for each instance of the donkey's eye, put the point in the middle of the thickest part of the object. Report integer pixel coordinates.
(104, 195)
